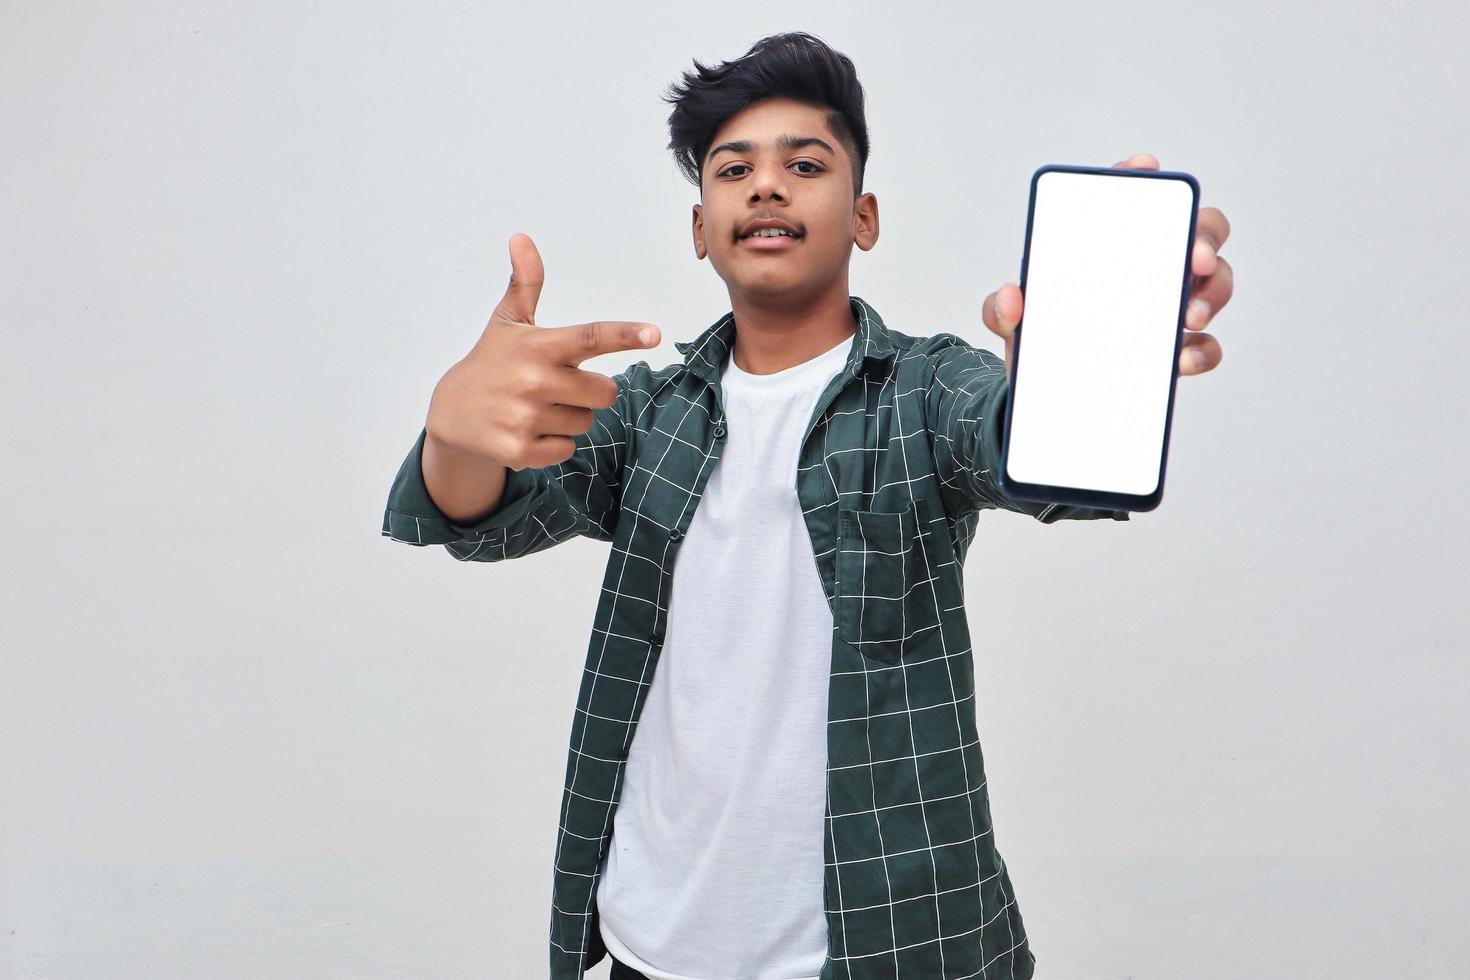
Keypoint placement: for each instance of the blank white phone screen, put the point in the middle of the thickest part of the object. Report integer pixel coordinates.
(1104, 278)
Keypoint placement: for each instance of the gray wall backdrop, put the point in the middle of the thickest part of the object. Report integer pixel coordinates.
(243, 735)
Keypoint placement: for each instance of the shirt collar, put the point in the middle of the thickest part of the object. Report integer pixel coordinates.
(705, 355)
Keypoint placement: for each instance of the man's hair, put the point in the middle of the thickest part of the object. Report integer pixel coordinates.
(796, 65)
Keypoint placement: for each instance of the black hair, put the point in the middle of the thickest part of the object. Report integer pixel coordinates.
(796, 65)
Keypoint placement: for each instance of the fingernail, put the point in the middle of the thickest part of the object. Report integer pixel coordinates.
(646, 335)
(1199, 359)
(1199, 312)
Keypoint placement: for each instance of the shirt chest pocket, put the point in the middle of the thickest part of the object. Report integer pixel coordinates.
(891, 586)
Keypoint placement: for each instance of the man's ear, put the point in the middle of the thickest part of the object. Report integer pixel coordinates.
(865, 221)
(698, 230)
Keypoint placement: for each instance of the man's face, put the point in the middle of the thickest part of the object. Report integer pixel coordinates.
(807, 186)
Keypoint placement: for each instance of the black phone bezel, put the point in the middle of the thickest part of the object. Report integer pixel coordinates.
(1079, 496)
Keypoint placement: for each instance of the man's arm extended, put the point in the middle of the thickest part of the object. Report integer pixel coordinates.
(965, 408)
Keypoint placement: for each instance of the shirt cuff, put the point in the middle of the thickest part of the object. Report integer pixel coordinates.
(411, 514)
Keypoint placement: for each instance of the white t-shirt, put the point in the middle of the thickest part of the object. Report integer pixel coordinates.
(715, 868)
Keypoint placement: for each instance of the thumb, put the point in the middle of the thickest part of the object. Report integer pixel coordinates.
(1001, 317)
(526, 276)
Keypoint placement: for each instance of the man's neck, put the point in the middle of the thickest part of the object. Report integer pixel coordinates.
(771, 338)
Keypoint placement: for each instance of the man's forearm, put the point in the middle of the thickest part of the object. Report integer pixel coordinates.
(466, 487)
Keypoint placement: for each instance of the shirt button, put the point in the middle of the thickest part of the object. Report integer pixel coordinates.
(658, 638)
(719, 430)
(675, 534)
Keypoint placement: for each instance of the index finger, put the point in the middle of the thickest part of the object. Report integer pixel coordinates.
(1138, 161)
(575, 344)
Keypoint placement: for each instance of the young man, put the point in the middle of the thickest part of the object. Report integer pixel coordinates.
(806, 795)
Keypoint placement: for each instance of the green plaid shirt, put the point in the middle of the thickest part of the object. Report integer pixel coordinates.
(897, 461)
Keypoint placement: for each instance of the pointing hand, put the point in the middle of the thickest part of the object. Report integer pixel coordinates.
(518, 397)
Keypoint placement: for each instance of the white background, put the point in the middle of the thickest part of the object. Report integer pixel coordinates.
(242, 735)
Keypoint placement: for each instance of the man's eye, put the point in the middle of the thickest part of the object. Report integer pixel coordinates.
(730, 171)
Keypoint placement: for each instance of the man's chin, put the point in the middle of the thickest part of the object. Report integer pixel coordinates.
(772, 283)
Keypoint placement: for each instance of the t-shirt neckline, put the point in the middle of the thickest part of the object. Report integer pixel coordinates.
(824, 362)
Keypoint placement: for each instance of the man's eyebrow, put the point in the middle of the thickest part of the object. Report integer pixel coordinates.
(785, 142)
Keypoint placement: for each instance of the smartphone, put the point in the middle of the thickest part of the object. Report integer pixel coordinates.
(1105, 278)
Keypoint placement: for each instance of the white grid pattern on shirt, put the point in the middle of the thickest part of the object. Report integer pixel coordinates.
(897, 464)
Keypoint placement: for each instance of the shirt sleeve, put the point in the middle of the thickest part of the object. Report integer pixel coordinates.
(966, 408)
(540, 506)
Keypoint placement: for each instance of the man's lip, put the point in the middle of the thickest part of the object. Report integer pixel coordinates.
(771, 242)
(766, 224)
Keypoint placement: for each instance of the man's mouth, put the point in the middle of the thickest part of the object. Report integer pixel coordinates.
(770, 241)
